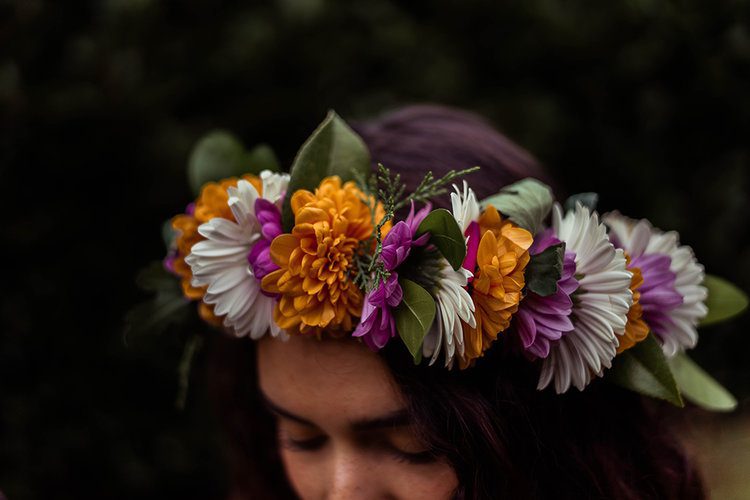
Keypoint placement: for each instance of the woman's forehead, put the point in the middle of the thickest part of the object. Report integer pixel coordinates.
(333, 381)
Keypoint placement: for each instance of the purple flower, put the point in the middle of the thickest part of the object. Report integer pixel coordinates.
(540, 320)
(269, 218)
(378, 325)
(168, 261)
(472, 246)
(398, 242)
(658, 293)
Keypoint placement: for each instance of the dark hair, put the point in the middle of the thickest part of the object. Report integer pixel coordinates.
(502, 437)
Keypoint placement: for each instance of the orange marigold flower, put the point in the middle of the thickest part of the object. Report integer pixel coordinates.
(636, 328)
(211, 202)
(502, 257)
(314, 279)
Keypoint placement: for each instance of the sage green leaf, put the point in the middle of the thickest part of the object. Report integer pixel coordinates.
(589, 200)
(153, 316)
(216, 156)
(189, 353)
(699, 387)
(154, 278)
(332, 149)
(167, 306)
(545, 269)
(260, 158)
(724, 300)
(526, 202)
(644, 369)
(414, 316)
(445, 235)
(168, 233)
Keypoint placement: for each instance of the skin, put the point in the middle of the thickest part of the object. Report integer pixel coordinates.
(343, 431)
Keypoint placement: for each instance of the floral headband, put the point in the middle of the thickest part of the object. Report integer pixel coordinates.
(321, 250)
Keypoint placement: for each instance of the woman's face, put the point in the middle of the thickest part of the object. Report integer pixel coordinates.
(343, 430)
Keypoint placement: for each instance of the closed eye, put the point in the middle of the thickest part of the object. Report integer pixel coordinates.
(310, 444)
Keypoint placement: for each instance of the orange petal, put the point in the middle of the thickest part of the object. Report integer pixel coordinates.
(282, 247)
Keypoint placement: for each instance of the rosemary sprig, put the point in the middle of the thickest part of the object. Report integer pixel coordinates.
(387, 188)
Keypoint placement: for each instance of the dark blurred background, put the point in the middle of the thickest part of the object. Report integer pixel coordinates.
(644, 101)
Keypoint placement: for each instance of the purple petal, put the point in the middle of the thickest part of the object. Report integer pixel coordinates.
(472, 246)
(658, 293)
(542, 319)
(396, 246)
(543, 241)
(413, 221)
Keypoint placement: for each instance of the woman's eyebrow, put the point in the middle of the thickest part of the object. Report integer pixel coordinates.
(278, 410)
(398, 418)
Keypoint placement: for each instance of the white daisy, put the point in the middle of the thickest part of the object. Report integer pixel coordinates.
(221, 260)
(464, 206)
(600, 304)
(453, 302)
(674, 324)
(453, 305)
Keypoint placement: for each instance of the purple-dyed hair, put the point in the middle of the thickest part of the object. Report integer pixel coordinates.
(503, 438)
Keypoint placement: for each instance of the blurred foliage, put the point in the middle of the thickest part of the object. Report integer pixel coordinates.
(643, 101)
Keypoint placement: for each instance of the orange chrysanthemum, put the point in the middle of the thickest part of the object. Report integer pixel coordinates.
(636, 328)
(502, 257)
(315, 259)
(212, 202)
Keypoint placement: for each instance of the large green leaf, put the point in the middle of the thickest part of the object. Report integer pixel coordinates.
(724, 300)
(699, 387)
(153, 316)
(589, 200)
(219, 155)
(215, 156)
(545, 269)
(414, 316)
(445, 235)
(262, 157)
(644, 369)
(526, 202)
(332, 149)
(166, 307)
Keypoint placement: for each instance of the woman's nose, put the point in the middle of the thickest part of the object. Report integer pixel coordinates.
(352, 476)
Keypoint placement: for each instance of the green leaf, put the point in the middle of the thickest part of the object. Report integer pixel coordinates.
(166, 307)
(168, 234)
(216, 156)
(545, 269)
(332, 149)
(526, 202)
(219, 155)
(644, 369)
(589, 200)
(189, 352)
(414, 316)
(445, 235)
(724, 300)
(260, 158)
(154, 278)
(699, 387)
(153, 316)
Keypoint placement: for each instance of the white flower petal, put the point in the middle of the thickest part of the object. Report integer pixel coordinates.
(220, 261)
(601, 306)
(641, 238)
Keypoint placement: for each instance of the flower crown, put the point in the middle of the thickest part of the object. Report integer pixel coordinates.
(321, 250)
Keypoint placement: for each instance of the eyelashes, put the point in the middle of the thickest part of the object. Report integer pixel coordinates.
(318, 442)
(310, 444)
